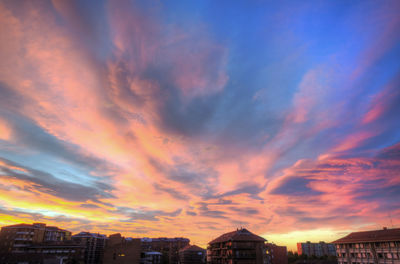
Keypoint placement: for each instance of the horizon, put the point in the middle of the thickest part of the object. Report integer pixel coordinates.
(313, 239)
(196, 118)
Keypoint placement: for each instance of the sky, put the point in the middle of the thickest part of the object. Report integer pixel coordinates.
(194, 118)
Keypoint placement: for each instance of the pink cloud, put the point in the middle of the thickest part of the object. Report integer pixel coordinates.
(194, 62)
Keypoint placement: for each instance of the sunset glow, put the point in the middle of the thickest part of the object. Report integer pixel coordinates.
(194, 118)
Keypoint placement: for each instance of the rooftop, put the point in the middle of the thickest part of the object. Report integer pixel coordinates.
(36, 226)
(371, 236)
(238, 235)
(88, 234)
(192, 248)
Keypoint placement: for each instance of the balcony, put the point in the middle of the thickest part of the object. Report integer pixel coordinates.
(20, 245)
(24, 233)
(22, 239)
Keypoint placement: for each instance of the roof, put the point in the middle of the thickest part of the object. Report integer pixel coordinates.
(192, 248)
(18, 225)
(54, 228)
(88, 234)
(36, 226)
(238, 235)
(371, 236)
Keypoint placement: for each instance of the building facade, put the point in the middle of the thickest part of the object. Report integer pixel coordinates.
(369, 247)
(65, 252)
(168, 247)
(276, 254)
(316, 249)
(119, 250)
(151, 257)
(192, 254)
(94, 246)
(17, 240)
(237, 247)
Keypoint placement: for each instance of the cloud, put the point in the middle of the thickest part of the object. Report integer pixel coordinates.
(296, 186)
(155, 119)
(145, 214)
(44, 182)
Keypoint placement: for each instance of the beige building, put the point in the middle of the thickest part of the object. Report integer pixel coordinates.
(316, 249)
(37, 243)
(369, 247)
(15, 238)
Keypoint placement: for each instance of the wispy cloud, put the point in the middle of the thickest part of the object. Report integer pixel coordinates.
(159, 118)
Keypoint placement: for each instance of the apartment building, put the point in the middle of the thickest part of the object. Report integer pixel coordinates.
(316, 249)
(369, 247)
(168, 247)
(15, 238)
(30, 242)
(120, 250)
(151, 257)
(276, 254)
(94, 244)
(237, 247)
(192, 254)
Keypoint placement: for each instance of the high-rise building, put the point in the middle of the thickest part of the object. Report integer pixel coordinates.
(237, 247)
(369, 247)
(94, 246)
(192, 254)
(316, 249)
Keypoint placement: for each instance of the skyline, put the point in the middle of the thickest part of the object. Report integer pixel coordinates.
(195, 118)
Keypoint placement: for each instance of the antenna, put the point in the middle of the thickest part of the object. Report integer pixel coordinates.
(391, 221)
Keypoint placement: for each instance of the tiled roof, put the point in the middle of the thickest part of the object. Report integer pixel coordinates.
(18, 225)
(371, 236)
(34, 225)
(192, 248)
(238, 235)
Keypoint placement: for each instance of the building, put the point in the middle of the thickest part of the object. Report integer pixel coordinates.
(168, 247)
(119, 250)
(276, 254)
(192, 254)
(372, 247)
(316, 249)
(94, 246)
(17, 239)
(151, 257)
(237, 247)
(50, 253)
